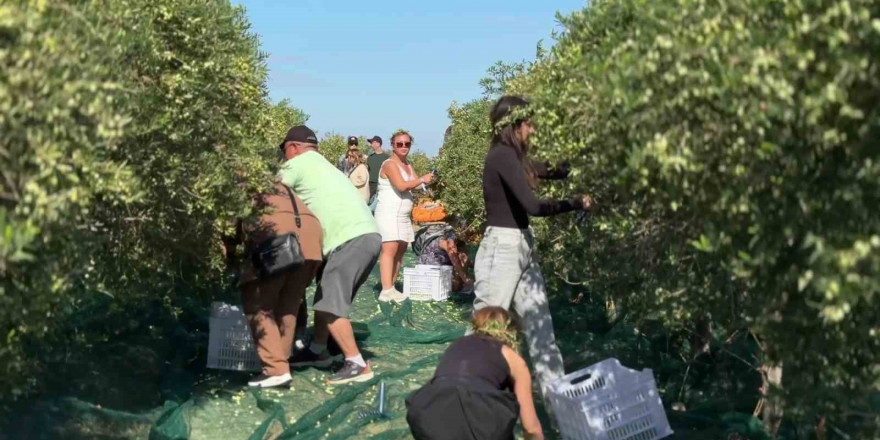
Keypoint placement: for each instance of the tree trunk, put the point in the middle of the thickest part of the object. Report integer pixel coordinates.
(771, 376)
(771, 404)
(821, 429)
(701, 338)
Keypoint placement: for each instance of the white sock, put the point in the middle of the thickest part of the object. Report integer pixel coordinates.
(359, 360)
(317, 348)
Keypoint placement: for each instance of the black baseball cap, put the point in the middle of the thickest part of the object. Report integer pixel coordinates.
(299, 133)
(352, 140)
(375, 138)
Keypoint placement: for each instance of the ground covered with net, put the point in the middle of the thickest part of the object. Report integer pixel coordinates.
(155, 386)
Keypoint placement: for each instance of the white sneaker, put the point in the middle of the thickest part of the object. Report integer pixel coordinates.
(263, 381)
(391, 294)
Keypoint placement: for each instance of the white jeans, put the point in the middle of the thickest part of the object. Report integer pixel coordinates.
(508, 274)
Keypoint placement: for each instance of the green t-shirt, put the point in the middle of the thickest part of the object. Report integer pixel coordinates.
(330, 196)
(374, 163)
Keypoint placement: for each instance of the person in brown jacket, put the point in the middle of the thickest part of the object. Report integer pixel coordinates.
(271, 304)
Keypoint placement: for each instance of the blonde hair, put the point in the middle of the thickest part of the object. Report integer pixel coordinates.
(358, 156)
(497, 324)
(401, 132)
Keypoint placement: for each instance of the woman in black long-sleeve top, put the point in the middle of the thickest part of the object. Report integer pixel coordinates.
(506, 268)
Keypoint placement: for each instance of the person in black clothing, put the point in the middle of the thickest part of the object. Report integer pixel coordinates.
(374, 163)
(506, 267)
(479, 388)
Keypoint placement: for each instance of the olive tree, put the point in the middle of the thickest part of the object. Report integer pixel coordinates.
(732, 151)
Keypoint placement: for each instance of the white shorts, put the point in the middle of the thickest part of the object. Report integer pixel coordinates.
(394, 227)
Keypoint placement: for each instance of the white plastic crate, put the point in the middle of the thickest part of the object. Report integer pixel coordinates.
(607, 401)
(427, 283)
(230, 345)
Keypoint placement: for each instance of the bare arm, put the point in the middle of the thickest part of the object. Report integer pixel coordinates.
(392, 173)
(457, 265)
(522, 388)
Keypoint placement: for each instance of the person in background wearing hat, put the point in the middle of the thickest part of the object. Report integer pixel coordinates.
(374, 163)
(343, 164)
(351, 247)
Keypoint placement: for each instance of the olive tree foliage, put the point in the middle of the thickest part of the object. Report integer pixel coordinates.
(421, 163)
(333, 145)
(460, 163)
(460, 160)
(500, 75)
(60, 123)
(132, 133)
(733, 149)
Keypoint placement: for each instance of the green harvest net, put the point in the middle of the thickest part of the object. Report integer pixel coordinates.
(403, 342)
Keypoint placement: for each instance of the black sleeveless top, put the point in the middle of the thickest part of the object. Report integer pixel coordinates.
(476, 357)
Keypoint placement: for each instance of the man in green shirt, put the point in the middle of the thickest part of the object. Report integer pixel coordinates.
(351, 247)
(374, 162)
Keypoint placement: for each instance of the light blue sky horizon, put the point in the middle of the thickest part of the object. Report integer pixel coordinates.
(369, 68)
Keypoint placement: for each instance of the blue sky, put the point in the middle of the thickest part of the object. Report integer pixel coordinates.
(365, 68)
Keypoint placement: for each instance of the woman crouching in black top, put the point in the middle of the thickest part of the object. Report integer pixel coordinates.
(506, 267)
(480, 387)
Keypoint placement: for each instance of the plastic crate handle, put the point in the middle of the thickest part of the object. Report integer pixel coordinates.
(580, 379)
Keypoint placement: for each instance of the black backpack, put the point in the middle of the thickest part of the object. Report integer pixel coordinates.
(427, 235)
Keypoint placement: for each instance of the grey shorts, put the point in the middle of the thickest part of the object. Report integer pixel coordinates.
(343, 273)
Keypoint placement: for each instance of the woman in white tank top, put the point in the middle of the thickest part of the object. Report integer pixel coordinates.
(393, 212)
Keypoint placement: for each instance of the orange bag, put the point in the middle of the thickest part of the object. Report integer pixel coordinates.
(428, 211)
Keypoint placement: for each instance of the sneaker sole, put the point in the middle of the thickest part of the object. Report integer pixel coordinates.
(359, 378)
(282, 384)
(318, 364)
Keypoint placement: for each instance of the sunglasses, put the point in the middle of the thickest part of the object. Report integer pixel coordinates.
(403, 144)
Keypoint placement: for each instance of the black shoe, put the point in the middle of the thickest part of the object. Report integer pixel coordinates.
(308, 358)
